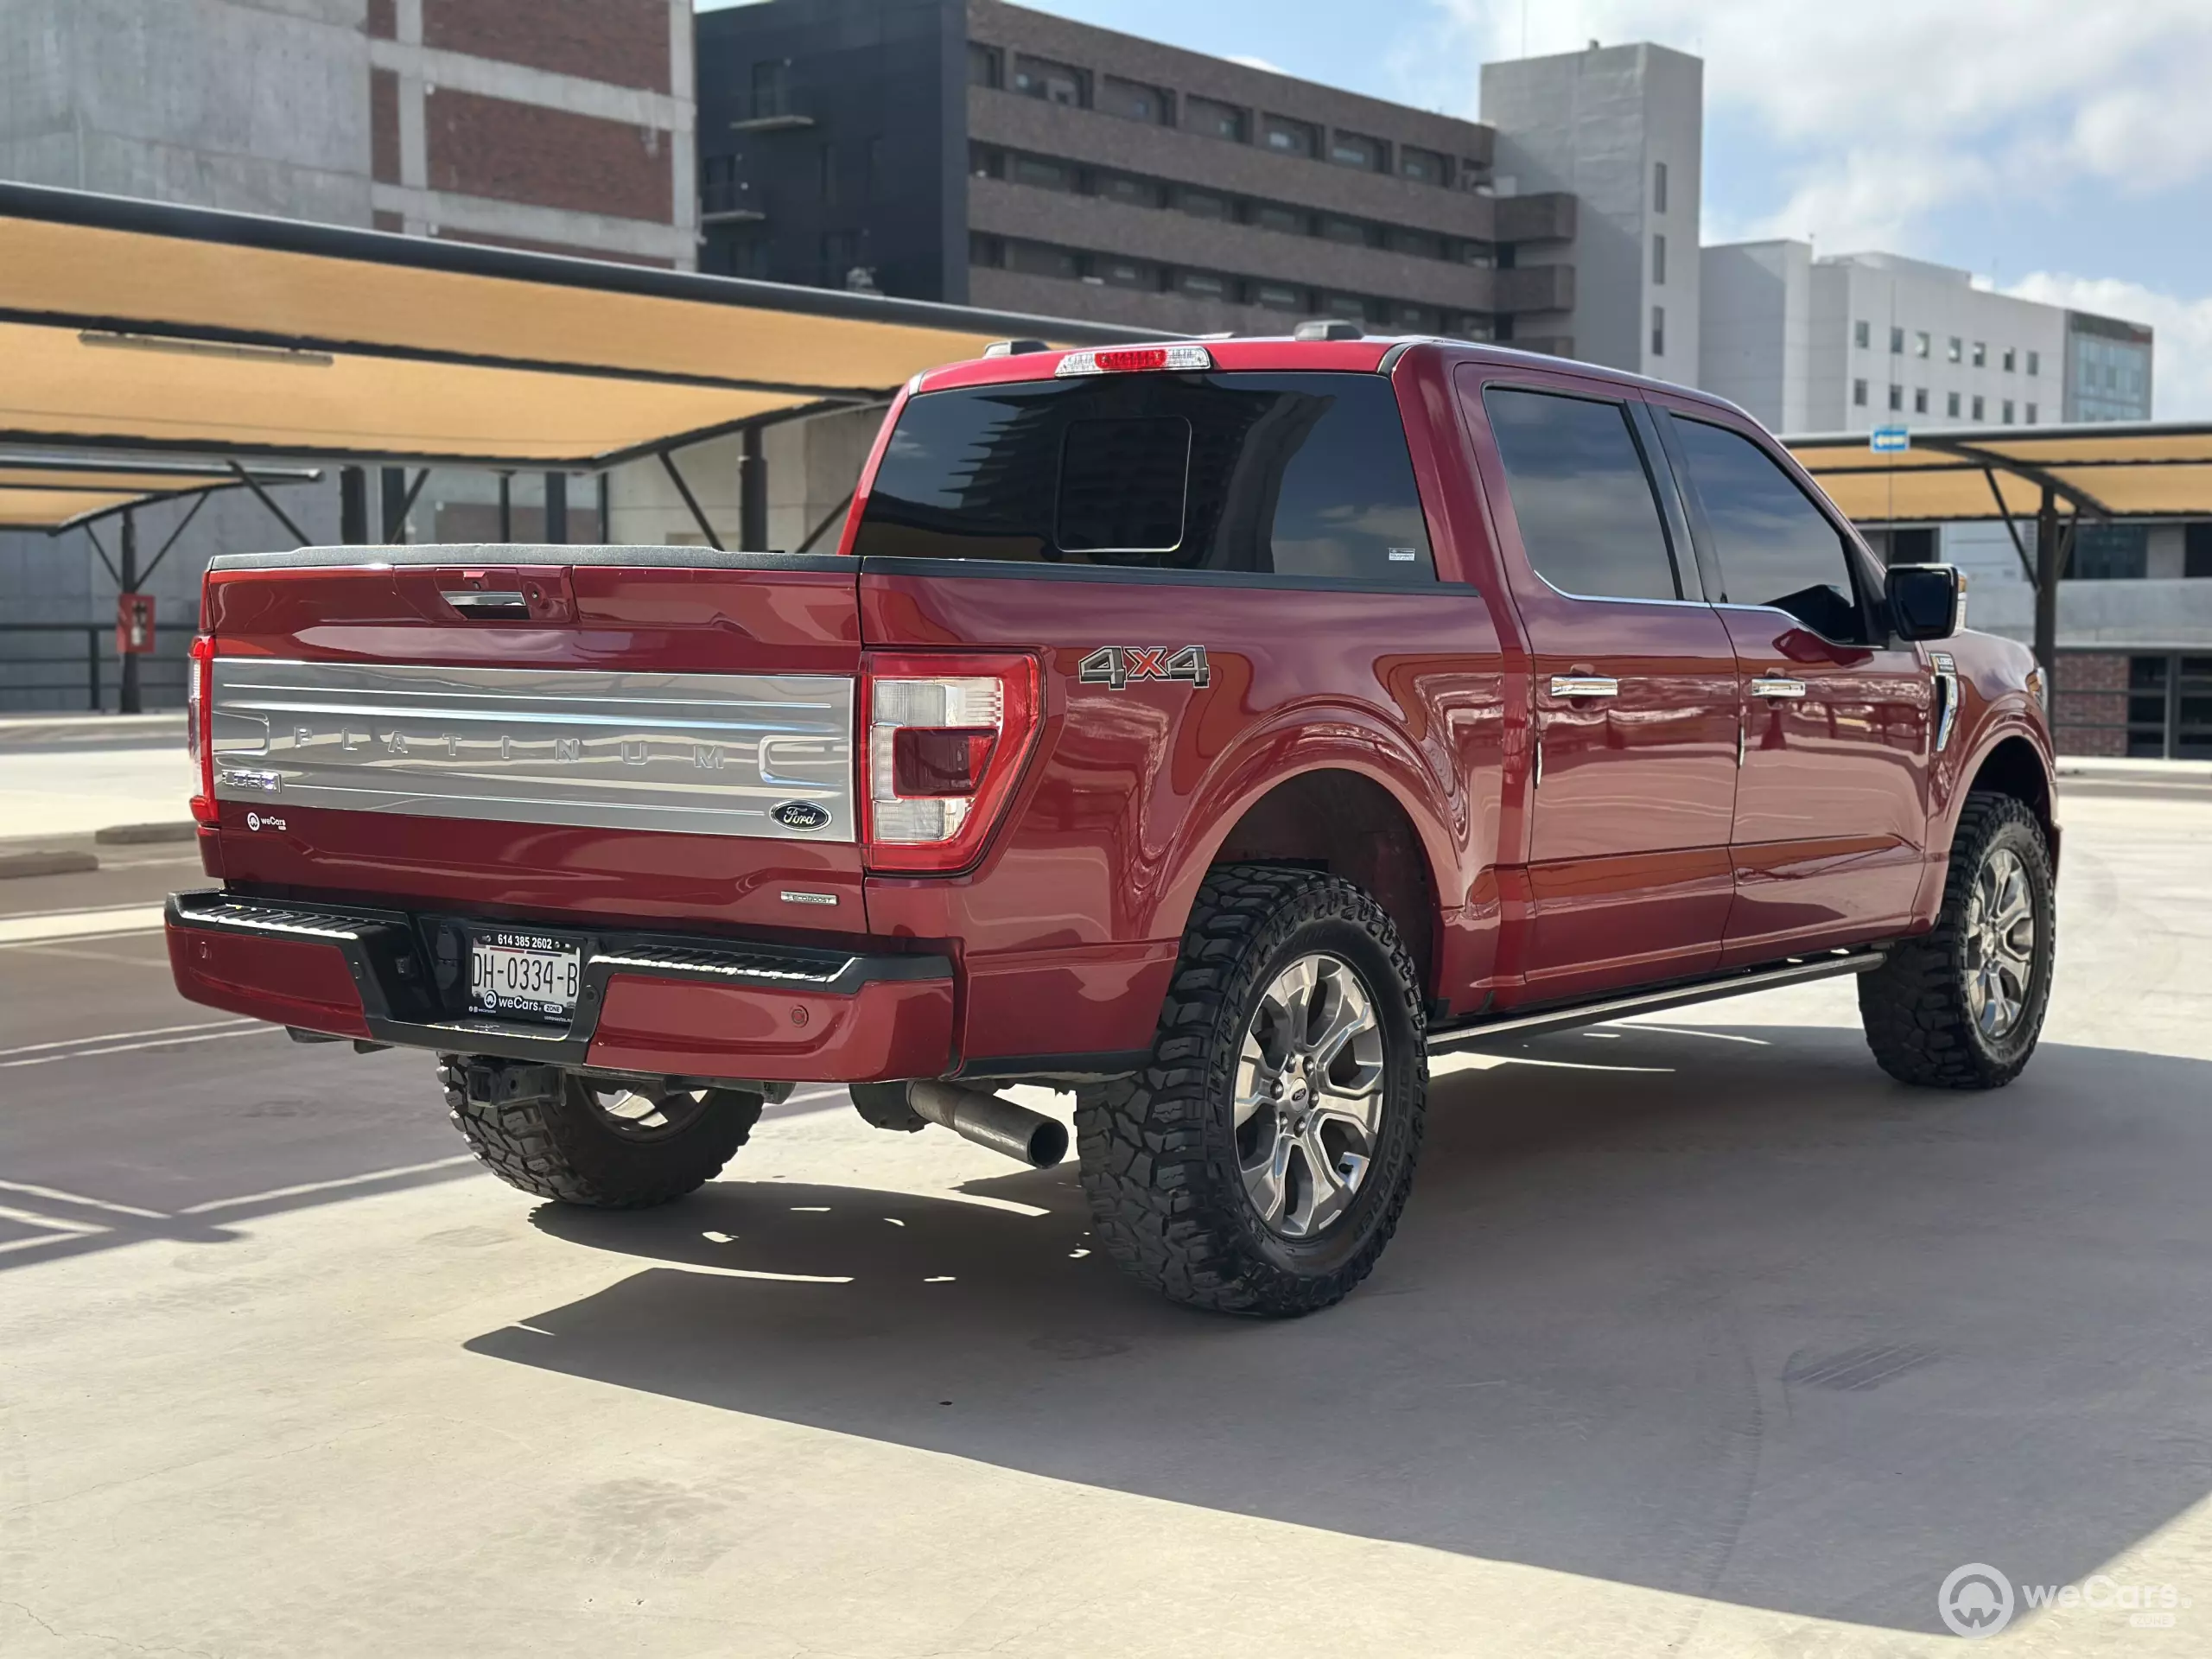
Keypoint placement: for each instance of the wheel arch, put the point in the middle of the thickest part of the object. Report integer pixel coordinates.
(2012, 765)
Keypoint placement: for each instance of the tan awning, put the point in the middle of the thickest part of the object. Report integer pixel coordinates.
(2109, 470)
(136, 324)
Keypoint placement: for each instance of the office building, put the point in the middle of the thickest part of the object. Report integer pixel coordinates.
(1847, 342)
(970, 150)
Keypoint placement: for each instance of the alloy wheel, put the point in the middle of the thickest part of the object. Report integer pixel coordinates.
(2000, 943)
(1309, 1095)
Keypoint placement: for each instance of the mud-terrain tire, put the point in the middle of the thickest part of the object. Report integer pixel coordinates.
(543, 1130)
(1934, 1011)
(1164, 1159)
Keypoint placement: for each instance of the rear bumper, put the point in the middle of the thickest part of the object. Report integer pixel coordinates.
(664, 1004)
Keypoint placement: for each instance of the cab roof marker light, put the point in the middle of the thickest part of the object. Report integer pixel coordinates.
(1130, 359)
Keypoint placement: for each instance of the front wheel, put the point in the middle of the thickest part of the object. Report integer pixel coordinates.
(1961, 1007)
(1259, 1163)
(584, 1140)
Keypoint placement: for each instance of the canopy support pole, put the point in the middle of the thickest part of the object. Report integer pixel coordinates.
(2048, 553)
(507, 506)
(353, 505)
(127, 697)
(752, 491)
(828, 520)
(698, 517)
(557, 508)
(113, 575)
(300, 537)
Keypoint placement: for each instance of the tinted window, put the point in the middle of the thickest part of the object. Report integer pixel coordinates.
(1588, 517)
(1293, 474)
(1774, 546)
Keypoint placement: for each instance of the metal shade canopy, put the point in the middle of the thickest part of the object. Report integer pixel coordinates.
(58, 492)
(143, 325)
(2106, 470)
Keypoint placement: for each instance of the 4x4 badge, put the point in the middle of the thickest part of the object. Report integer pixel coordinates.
(1117, 665)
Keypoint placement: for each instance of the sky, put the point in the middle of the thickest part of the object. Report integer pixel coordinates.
(2059, 150)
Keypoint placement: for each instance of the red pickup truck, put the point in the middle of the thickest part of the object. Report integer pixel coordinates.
(1216, 730)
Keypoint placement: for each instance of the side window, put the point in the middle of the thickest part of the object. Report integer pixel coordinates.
(1581, 494)
(1774, 547)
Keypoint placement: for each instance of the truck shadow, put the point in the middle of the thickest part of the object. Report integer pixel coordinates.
(1752, 1323)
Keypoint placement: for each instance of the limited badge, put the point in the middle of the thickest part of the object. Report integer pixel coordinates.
(799, 814)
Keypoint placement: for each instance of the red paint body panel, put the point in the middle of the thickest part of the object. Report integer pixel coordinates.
(289, 981)
(890, 1029)
(1647, 853)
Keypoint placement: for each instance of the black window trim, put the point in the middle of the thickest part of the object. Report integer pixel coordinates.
(1858, 561)
(1597, 392)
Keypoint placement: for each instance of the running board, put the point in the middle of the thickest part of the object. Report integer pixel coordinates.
(1510, 1027)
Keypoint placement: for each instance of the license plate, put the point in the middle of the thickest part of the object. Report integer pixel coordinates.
(525, 975)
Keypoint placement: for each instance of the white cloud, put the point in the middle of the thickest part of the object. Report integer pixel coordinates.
(2181, 366)
(1249, 62)
(1885, 111)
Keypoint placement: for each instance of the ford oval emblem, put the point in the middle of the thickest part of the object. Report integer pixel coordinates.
(799, 814)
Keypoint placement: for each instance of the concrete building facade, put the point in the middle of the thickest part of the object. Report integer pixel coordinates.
(973, 151)
(1620, 129)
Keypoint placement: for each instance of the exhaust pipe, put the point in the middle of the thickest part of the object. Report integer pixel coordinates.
(1030, 1137)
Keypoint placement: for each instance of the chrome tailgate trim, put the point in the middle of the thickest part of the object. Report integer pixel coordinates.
(701, 754)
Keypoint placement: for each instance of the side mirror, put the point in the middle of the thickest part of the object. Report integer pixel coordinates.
(1927, 601)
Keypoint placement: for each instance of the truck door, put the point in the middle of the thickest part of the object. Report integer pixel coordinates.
(1634, 698)
(1830, 833)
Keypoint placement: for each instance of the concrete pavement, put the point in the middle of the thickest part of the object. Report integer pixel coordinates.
(1701, 1338)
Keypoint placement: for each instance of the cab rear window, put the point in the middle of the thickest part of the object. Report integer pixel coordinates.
(1275, 475)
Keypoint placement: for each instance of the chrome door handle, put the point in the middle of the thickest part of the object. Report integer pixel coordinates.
(1585, 685)
(1774, 685)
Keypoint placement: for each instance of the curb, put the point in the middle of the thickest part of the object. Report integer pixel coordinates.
(39, 863)
(133, 835)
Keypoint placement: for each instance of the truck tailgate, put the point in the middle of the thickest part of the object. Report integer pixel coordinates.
(632, 735)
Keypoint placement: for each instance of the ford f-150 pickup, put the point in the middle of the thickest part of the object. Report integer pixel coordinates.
(1216, 730)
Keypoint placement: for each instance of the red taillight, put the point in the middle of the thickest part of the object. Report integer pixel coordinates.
(1133, 360)
(199, 723)
(1148, 357)
(944, 737)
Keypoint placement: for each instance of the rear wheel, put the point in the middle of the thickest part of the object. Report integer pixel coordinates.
(1961, 1007)
(583, 1140)
(1260, 1162)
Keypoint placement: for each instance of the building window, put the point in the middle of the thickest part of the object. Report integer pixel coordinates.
(1348, 231)
(1954, 348)
(1279, 296)
(987, 250)
(1056, 83)
(1045, 175)
(1658, 186)
(1271, 216)
(985, 65)
(2196, 549)
(1035, 259)
(1423, 166)
(2110, 553)
(1858, 394)
(2010, 359)
(984, 163)
(1920, 343)
(827, 175)
(2008, 411)
(1862, 332)
(2031, 413)
(2035, 362)
(1897, 397)
(1127, 273)
(1422, 245)
(841, 254)
(1920, 400)
(1133, 100)
(1351, 149)
(1203, 284)
(1129, 192)
(1951, 405)
(1201, 204)
(770, 82)
(1289, 137)
(1980, 355)
(1658, 331)
(1896, 342)
(1215, 120)
(1977, 406)
(1658, 260)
